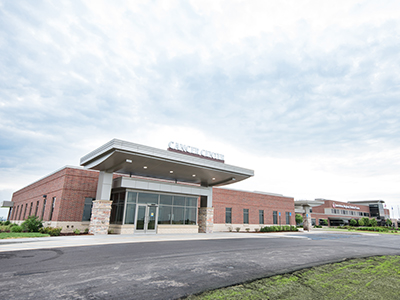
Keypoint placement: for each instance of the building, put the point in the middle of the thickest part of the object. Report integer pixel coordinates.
(124, 187)
(339, 213)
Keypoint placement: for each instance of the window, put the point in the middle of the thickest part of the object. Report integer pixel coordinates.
(53, 202)
(261, 216)
(275, 217)
(228, 215)
(16, 213)
(37, 208)
(30, 209)
(117, 207)
(21, 208)
(44, 207)
(245, 216)
(288, 218)
(26, 208)
(87, 209)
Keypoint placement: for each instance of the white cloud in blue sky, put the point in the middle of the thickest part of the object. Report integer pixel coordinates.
(305, 92)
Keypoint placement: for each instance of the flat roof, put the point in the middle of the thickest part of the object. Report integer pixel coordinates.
(134, 159)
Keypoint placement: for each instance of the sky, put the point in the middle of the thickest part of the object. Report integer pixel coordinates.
(305, 93)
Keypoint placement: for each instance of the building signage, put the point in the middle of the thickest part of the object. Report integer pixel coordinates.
(172, 146)
(334, 205)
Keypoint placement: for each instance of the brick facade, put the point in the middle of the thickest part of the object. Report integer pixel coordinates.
(239, 200)
(70, 186)
(324, 211)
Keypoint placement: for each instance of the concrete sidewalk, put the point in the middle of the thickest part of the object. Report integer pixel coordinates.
(92, 240)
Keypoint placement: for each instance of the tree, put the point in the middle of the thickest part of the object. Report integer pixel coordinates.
(361, 222)
(353, 222)
(389, 222)
(365, 221)
(373, 222)
(299, 219)
(323, 222)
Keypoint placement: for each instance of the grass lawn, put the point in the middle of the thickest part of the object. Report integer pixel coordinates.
(364, 278)
(16, 235)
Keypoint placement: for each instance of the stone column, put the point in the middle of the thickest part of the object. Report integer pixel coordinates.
(307, 224)
(206, 219)
(100, 218)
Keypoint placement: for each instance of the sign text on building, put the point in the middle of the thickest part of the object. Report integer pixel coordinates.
(195, 151)
(334, 205)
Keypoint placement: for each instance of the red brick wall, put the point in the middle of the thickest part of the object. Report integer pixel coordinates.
(70, 187)
(238, 200)
(318, 212)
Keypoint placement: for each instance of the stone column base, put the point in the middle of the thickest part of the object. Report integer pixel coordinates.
(206, 219)
(100, 218)
(307, 224)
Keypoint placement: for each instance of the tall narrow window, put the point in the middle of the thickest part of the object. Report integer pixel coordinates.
(21, 208)
(16, 214)
(228, 215)
(30, 209)
(261, 216)
(44, 207)
(245, 216)
(37, 207)
(275, 217)
(53, 203)
(26, 208)
(87, 209)
(287, 218)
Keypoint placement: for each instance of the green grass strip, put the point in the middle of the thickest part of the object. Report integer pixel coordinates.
(364, 278)
(17, 235)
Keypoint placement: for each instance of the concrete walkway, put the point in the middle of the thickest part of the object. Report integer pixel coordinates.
(91, 240)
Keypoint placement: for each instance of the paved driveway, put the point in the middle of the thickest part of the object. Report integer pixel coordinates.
(171, 269)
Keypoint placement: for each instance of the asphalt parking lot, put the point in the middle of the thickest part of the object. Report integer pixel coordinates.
(168, 266)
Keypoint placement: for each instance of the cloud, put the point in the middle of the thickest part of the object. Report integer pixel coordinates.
(291, 81)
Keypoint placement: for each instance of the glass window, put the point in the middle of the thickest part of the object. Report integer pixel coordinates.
(131, 197)
(148, 198)
(288, 218)
(177, 215)
(164, 214)
(191, 202)
(166, 199)
(130, 213)
(190, 215)
(179, 201)
(275, 217)
(52, 208)
(87, 209)
(37, 208)
(26, 207)
(44, 207)
(30, 209)
(245, 216)
(228, 215)
(261, 216)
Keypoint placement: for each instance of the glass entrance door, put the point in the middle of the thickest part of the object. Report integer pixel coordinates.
(146, 218)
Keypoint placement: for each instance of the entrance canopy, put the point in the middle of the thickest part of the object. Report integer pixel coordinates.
(134, 159)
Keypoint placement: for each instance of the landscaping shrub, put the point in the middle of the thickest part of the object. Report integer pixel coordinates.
(317, 226)
(16, 228)
(50, 230)
(32, 224)
(237, 229)
(365, 221)
(87, 230)
(77, 231)
(373, 222)
(8, 222)
(278, 228)
(353, 222)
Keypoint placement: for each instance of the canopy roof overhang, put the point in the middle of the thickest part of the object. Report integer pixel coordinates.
(139, 160)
